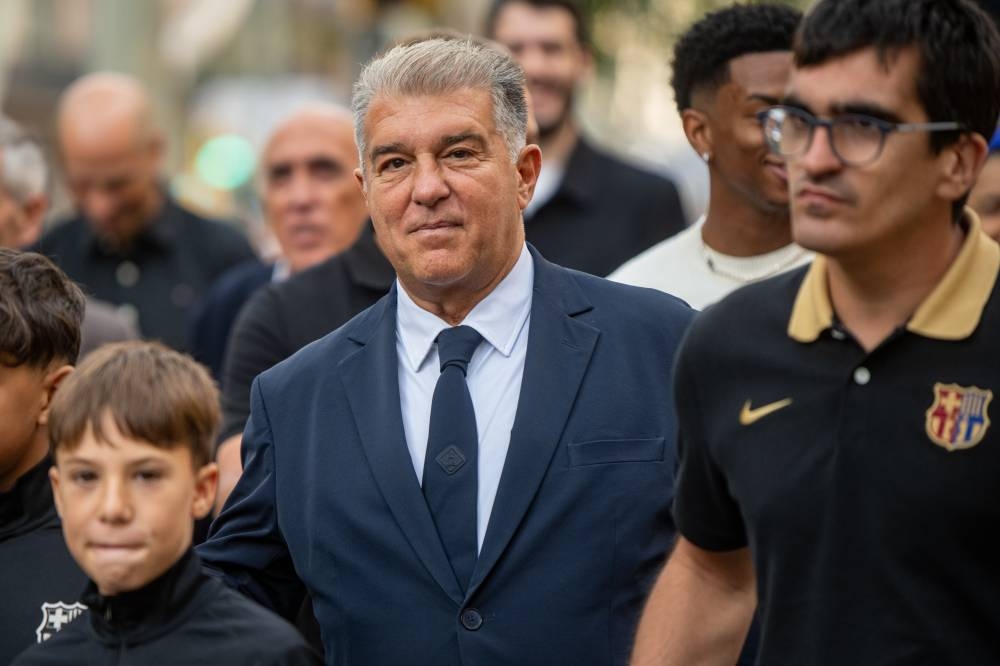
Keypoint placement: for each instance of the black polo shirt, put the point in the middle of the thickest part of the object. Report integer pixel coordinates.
(161, 276)
(866, 484)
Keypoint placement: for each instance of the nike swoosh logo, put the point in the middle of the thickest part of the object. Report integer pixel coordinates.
(749, 416)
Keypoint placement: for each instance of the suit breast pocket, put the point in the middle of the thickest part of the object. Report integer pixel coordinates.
(609, 451)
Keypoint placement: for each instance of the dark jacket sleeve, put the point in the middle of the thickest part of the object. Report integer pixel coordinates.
(245, 547)
(258, 342)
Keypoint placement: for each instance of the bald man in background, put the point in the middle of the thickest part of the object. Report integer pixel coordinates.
(312, 206)
(130, 243)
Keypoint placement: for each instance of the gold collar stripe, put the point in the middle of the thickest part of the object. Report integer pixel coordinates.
(950, 312)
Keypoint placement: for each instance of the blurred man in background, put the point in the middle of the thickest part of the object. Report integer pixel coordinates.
(728, 67)
(312, 206)
(131, 243)
(24, 175)
(591, 211)
(23, 182)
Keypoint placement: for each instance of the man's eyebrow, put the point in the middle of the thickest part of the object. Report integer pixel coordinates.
(474, 137)
(379, 151)
(761, 97)
(793, 101)
(866, 109)
(324, 162)
(842, 108)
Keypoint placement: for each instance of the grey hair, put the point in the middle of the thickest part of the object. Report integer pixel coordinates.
(23, 170)
(439, 66)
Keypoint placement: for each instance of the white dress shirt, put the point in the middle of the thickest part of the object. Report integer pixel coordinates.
(494, 374)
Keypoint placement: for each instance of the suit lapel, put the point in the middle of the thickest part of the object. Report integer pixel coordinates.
(559, 351)
(371, 382)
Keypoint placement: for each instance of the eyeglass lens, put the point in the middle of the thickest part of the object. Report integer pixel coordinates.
(853, 139)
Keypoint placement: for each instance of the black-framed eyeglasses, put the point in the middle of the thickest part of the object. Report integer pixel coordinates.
(855, 139)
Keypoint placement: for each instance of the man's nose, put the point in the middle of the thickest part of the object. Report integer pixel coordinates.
(429, 184)
(98, 205)
(301, 191)
(820, 158)
(533, 61)
(116, 503)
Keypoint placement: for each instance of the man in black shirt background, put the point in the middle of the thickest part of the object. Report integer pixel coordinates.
(131, 244)
(591, 211)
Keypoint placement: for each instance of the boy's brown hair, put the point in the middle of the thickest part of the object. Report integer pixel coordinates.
(151, 393)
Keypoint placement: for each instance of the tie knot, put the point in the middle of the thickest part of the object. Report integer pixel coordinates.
(456, 346)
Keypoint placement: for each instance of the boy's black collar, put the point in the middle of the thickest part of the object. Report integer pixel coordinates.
(152, 610)
(28, 505)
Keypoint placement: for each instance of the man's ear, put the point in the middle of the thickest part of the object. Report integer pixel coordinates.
(698, 131)
(34, 208)
(529, 164)
(51, 384)
(359, 176)
(54, 479)
(961, 163)
(205, 483)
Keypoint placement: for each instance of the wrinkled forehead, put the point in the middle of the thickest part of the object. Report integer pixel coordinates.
(410, 120)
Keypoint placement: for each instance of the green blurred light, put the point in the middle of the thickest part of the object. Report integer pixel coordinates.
(226, 161)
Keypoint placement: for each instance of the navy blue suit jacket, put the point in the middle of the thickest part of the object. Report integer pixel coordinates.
(578, 530)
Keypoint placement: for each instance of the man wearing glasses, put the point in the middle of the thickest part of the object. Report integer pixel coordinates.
(838, 457)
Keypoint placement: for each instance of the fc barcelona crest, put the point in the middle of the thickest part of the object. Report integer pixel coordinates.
(959, 417)
(55, 616)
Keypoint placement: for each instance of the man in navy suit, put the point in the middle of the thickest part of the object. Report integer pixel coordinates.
(510, 512)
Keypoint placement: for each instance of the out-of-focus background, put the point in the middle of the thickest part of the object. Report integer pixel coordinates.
(222, 72)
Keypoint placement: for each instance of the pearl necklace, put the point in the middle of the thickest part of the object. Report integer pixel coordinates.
(712, 258)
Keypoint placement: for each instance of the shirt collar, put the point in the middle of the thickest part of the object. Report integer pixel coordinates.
(950, 312)
(498, 318)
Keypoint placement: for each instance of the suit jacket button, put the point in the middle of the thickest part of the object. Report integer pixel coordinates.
(471, 619)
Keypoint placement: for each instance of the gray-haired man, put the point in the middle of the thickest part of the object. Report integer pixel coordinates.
(510, 507)
(23, 177)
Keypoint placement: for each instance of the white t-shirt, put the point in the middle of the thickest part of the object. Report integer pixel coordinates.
(684, 266)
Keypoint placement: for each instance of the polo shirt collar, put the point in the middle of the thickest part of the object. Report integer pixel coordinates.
(950, 312)
(499, 317)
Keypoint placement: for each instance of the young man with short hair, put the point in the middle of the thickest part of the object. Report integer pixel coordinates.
(40, 314)
(838, 456)
(131, 441)
(729, 67)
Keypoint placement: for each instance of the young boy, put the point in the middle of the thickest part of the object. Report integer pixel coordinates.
(40, 314)
(130, 434)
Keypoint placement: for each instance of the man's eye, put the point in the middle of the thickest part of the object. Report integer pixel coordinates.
(460, 154)
(393, 164)
(278, 176)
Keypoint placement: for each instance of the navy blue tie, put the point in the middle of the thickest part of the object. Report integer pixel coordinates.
(451, 466)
